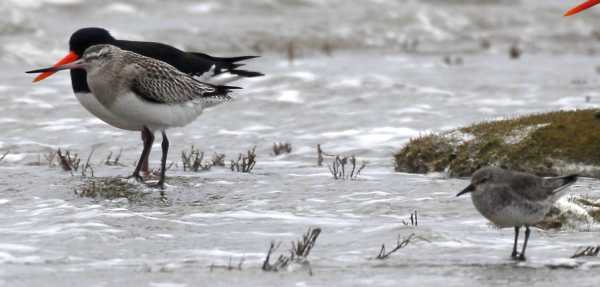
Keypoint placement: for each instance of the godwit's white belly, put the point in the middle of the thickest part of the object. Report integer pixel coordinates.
(91, 103)
(155, 116)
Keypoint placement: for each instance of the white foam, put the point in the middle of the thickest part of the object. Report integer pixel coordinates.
(344, 133)
(384, 135)
(61, 127)
(221, 182)
(17, 247)
(290, 96)
(63, 2)
(500, 102)
(14, 157)
(230, 132)
(8, 120)
(272, 234)
(7, 257)
(164, 235)
(121, 8)
(40, 91)
(275, 215)
(258, 128)
(431, 90)
(416, 109)
(167, 284)
(303, 75)
(569, 102)
(204, 8)
(222, 253)
(33, 102)
(427, 24)
(346, 83)
(62, 121)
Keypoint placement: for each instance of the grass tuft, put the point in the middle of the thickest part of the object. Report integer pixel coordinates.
(109, 188)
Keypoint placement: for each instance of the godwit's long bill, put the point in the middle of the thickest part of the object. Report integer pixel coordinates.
(581, 7)
(191, 63)
(144, 94)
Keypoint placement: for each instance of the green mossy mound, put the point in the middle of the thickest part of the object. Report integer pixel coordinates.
(546, 144)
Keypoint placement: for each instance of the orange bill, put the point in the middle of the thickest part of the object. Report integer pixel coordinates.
(581, 7)
(70, 57)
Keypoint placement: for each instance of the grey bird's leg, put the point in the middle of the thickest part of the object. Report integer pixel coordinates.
(145, 169)
(148, 137)
(163, 161)
(527, 231)
(514, 252)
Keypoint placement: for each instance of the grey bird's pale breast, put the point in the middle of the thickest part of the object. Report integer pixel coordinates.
(506, 207)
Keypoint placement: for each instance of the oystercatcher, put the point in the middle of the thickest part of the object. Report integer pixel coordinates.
(144, 93)
(192, 63)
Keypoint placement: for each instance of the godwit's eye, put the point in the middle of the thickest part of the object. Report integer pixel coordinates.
(484, 179)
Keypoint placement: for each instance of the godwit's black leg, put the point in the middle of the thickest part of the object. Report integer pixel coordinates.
(527, 231)
(148, 140)
(514, 252)
(145, 169)
(163, 161)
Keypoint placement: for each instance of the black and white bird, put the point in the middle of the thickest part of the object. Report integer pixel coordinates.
(144, 94)
(192, 63)
(515, 199)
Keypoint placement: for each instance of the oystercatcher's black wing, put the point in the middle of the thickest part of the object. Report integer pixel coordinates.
(188, 62)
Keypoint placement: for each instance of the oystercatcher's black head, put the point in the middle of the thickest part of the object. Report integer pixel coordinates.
(79, 42)
(87, 37)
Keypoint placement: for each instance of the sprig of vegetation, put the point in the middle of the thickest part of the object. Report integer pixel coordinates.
(400, 243)
(113, 162)
(589, 251)
(281, 148)
(245, 163)
(3, 156)
(67, 161)
(193, 160)
(229, 266)
(338, 167)
(414, 220)
(298, 253)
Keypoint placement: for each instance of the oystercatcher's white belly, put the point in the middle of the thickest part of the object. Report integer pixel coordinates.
(91, 103)
(155, 116)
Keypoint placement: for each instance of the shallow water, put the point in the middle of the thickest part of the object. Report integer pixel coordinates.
(368, 98)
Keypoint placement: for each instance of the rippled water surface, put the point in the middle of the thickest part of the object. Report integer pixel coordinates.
(384, 82)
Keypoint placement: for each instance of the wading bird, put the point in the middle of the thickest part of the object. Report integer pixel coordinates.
(515, 199)
(195, 64)
(144, 94)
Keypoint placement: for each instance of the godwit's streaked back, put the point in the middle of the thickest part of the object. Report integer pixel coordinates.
(144, 94)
